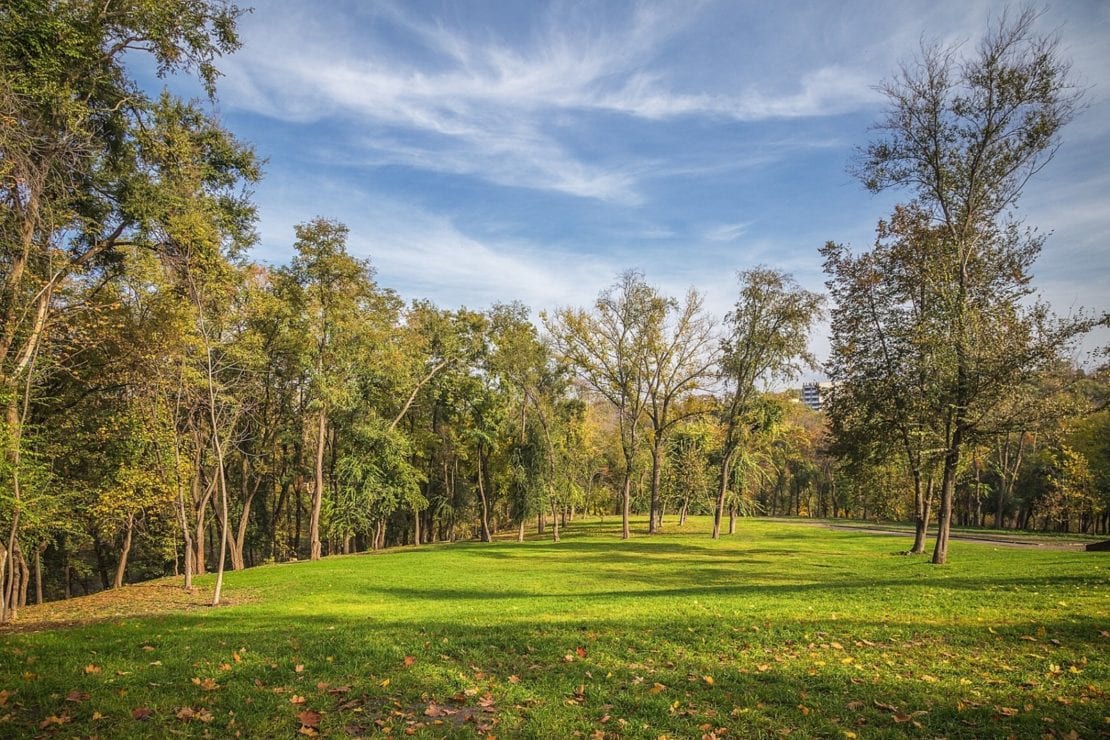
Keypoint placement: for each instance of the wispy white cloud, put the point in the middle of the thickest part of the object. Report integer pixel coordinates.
(727, 232)
(469, 103)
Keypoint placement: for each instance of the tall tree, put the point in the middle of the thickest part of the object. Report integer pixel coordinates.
(609, 348)
(680, 359)
(964, 134)
(333, 286)
(766, 335)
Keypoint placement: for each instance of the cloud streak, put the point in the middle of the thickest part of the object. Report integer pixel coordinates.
(507, 111)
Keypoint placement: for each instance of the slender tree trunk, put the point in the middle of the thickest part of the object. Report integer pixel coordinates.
(318, 491)
(25, 581)
(38, 570)
(239, 541)
(722, 489)
(183, 520)
(732, 519)
(921, 505)
(482, 494)
(121, 569)
(683, 510)
(416, 526)
(947, 497)
(656, 478)
(626, 503)
(554, 521)
(520, 531)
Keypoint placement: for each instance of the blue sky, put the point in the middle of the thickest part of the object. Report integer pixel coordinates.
(491, 151)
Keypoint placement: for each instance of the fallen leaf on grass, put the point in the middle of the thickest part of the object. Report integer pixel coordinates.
(409, 660)
(208, 684)
(141, 713)
(514, 679)
(581, 651)
(76, 696)
(188, 713)
(708, 679)
(299, 668)
(308, 731)
(309, 718)
(855, 705)
(657, 688)
(54, 720)
(90, 668)
(294, 699)
(1007, 711)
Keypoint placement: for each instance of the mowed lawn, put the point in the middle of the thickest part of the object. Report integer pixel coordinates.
(779, 629)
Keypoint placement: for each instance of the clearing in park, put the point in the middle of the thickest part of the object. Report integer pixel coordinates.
(780, 629)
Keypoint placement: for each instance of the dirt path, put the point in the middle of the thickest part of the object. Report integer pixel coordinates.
(1001, 540)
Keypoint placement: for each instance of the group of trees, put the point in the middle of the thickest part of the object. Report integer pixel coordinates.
(171, 406)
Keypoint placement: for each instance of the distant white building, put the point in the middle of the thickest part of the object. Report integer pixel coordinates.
(812, 394)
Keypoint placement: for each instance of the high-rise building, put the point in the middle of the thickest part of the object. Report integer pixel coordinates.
(812, 394)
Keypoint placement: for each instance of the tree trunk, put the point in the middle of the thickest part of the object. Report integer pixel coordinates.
(554, 521)
(520, 532)
(121, 569)
(732, 519)
(38, 570)
(682, 511)
(318, 491)
(921, 506)
(722, 489)
(482, 494)
(416, 526)
(656, 477)
(237, 544)
(626, 504)
(947, 496)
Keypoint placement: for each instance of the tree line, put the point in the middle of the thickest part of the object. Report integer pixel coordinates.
(173, 406)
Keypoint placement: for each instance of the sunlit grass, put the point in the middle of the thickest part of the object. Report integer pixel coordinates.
(779, 627)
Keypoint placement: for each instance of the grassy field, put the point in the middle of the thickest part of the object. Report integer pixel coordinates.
(780, 629)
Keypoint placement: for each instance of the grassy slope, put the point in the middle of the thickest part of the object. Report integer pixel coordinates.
(819, 632)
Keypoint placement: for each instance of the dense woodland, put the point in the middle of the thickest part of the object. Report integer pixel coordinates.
(172, 406)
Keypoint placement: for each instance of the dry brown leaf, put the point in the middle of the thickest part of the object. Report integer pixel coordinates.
(90, 668)
(77, 696)
(657, 688)
(309, 718)
(54, 719)
(141, 713)
(409, 660)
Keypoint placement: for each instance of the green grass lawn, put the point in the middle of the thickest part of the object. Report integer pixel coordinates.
(778, 629)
